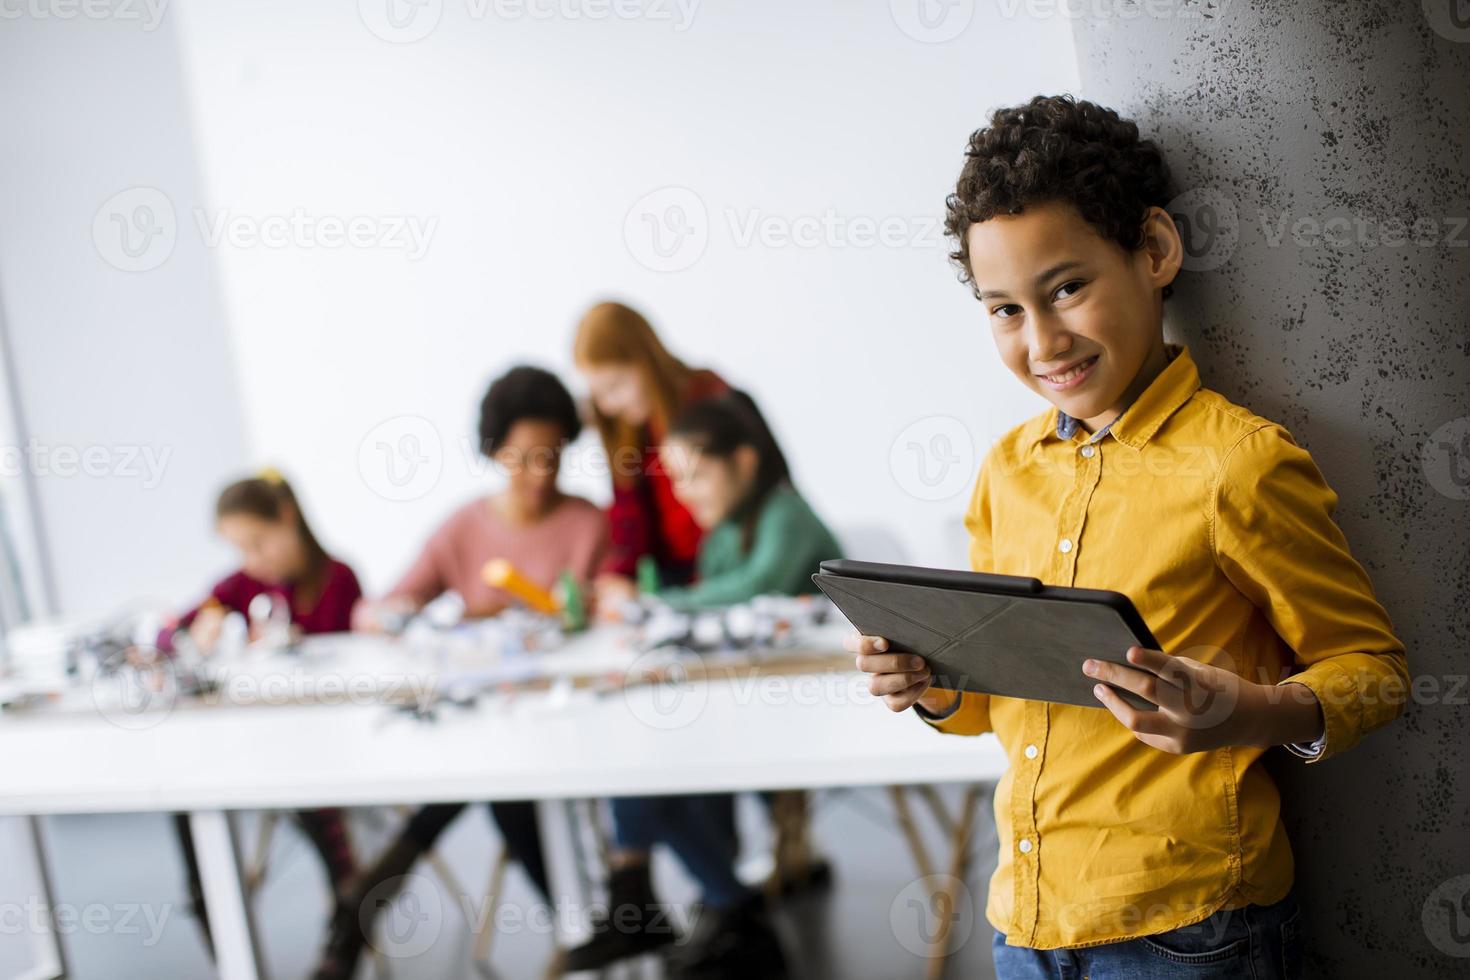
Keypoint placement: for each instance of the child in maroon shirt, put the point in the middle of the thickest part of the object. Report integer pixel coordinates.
(282, 558)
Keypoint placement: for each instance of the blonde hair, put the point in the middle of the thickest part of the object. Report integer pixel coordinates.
(614, 334)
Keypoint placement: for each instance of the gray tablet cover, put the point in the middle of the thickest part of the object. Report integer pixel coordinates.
(1021, 646)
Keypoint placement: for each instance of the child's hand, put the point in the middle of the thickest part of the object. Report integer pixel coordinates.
(370, 616)
(206, 628)
(610, 592)
(1202, 706)
(900, 679)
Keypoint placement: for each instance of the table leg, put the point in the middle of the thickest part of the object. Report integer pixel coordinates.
(959, 831)
(559, 841)
(236, 948)
(21, 845)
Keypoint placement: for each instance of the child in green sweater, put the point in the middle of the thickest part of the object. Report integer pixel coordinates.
(761, 538)
(761, 535)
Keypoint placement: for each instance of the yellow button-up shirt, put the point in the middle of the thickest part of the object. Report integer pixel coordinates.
(1219, 528)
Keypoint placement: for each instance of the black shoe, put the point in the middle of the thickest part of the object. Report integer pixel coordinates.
(345, 943)
(815, 877)
(634, 923)
(730, 944)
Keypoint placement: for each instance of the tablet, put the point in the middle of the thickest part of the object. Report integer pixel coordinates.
(996, 634)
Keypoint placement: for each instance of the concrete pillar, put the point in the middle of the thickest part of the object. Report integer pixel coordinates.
(1320, 157)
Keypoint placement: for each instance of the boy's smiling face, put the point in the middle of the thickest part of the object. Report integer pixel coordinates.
(1075, 316)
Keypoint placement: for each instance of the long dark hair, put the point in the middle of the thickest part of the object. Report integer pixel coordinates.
(719, 426)
(267, 496)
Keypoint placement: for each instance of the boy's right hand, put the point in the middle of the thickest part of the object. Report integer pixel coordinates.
(900, 679)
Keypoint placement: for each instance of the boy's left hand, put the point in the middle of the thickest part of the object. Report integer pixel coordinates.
(1202, 706)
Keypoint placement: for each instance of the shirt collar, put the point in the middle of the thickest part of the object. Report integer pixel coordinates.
(1138, 421)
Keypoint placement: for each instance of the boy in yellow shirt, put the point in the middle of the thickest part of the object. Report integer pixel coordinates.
(1132, 843)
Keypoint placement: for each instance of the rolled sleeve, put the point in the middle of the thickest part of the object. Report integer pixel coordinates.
(1276, 540)
(969, 715)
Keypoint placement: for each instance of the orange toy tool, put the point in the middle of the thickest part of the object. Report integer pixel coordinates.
(501, 574)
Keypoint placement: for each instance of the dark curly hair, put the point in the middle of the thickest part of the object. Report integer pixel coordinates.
(1056, 148)
(525, 393)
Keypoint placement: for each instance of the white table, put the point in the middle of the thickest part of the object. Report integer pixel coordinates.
(774, 732)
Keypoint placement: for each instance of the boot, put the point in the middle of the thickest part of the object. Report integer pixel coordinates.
(730, 944)
(348, 932)
(633, 924)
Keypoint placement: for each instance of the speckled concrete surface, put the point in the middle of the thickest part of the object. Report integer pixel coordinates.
(1320, 154)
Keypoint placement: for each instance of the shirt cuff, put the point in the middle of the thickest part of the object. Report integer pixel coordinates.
(1308, 750)
(930, 716)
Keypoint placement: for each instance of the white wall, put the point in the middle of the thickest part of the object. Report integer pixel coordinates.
(525, 144)
(528, 142)
(126, 374)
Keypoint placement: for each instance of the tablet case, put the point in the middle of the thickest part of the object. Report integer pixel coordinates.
(996, 634)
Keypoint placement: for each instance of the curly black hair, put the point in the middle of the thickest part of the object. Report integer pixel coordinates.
(525, 393)
(1056, 148)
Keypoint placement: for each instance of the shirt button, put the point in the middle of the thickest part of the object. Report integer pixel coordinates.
(1065, 545)
(1030, 751)
(1087, 451)
(1025, 845)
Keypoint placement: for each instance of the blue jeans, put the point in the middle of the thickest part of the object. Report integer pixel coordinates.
(1257, 942)
(700, 830)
